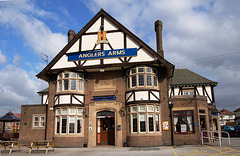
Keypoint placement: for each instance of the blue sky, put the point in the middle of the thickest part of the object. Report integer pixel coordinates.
(202, 36)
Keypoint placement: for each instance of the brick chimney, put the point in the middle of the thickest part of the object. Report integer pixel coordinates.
(71, 34)
(158, 30)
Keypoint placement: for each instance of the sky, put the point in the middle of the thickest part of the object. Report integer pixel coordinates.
(201, 35)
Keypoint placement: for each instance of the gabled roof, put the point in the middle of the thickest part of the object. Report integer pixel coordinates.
(9, 117)
(237, 110)
(185, 77)
(43, 91)
(45, 73)
(226, 112)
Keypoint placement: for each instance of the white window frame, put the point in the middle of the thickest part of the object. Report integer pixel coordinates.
(139, 122)
(153, 116)
(39, 121)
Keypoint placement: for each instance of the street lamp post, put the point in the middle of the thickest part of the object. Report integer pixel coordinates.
(170, 105)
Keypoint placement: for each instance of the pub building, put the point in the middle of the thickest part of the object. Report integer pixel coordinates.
(108, 87)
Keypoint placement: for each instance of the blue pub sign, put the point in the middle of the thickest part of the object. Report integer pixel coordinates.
(88, 55)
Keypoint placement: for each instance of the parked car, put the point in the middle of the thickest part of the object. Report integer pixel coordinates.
(237, 128)
(228, 128)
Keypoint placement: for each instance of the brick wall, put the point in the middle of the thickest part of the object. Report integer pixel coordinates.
(27, 132)
(191, 103)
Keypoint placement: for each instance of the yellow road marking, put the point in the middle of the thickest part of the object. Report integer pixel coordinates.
(223, 152)
(175, 154)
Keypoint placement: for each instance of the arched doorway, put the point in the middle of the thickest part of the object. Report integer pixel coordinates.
(105, 128)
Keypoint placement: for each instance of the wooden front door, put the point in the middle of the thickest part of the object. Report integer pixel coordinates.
(106, 130)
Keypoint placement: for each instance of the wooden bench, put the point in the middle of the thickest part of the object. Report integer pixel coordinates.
(41, 144)
(10, 145)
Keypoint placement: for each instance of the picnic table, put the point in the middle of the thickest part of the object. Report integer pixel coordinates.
(10, 145)
(41, 144)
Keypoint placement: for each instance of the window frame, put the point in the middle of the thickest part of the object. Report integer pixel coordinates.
(179, 114)
(70, 81)
(72, 115)
(136, 129)
(142, 77)
(38, 121)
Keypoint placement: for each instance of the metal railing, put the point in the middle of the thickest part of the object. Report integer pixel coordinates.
(212, 137)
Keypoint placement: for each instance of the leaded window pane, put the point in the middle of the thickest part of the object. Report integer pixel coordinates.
(79, 124)
(134, 122)
(60, 85)
(140, 80)
(73, 75)
(64, 124)
(155, 81)
(80, 85)
(140, 69)
(150, 122)
(65, 85)
(134, 81)
(73, 84)
(149, 70)
(142, 118)
(149, 80)
(71, 124)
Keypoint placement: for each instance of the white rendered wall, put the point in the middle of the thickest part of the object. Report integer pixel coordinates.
(127, 96)
(209, 91)
(64, 99)
(153, 97)
(79, 97)
(45, 99)
(109, 26)
(141, 95)
(74, 48)
(95, 27)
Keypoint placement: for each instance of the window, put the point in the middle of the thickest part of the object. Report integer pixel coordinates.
(69, 120)
(79, 124)
(134, 122)
(58, 124)
(142, 108)
(38, 121)
(70, 81)
(71, 124)
(64, 124)
(149, 80)
(143, 118)
(141, 80)
(134, 81)
(150, 108)
(140, 69)
(183, 121)
(142, 77)
(188, 92)
(157, 123)
(151, 122)
(73, 84)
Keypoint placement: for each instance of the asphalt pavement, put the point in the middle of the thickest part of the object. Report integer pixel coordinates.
(186, 150)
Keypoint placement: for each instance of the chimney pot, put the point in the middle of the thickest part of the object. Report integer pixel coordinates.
(71, 34)
(158, 30)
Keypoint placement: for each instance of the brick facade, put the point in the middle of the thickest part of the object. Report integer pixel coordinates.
(27, 132)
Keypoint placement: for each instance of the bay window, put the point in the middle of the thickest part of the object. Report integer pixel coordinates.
(69, 120)
(70, 81)
(143, 118)
(142, 77)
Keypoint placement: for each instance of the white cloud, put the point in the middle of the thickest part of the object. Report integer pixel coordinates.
(17, 60)
(22, 16)
(18, 87)
(2, 58)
